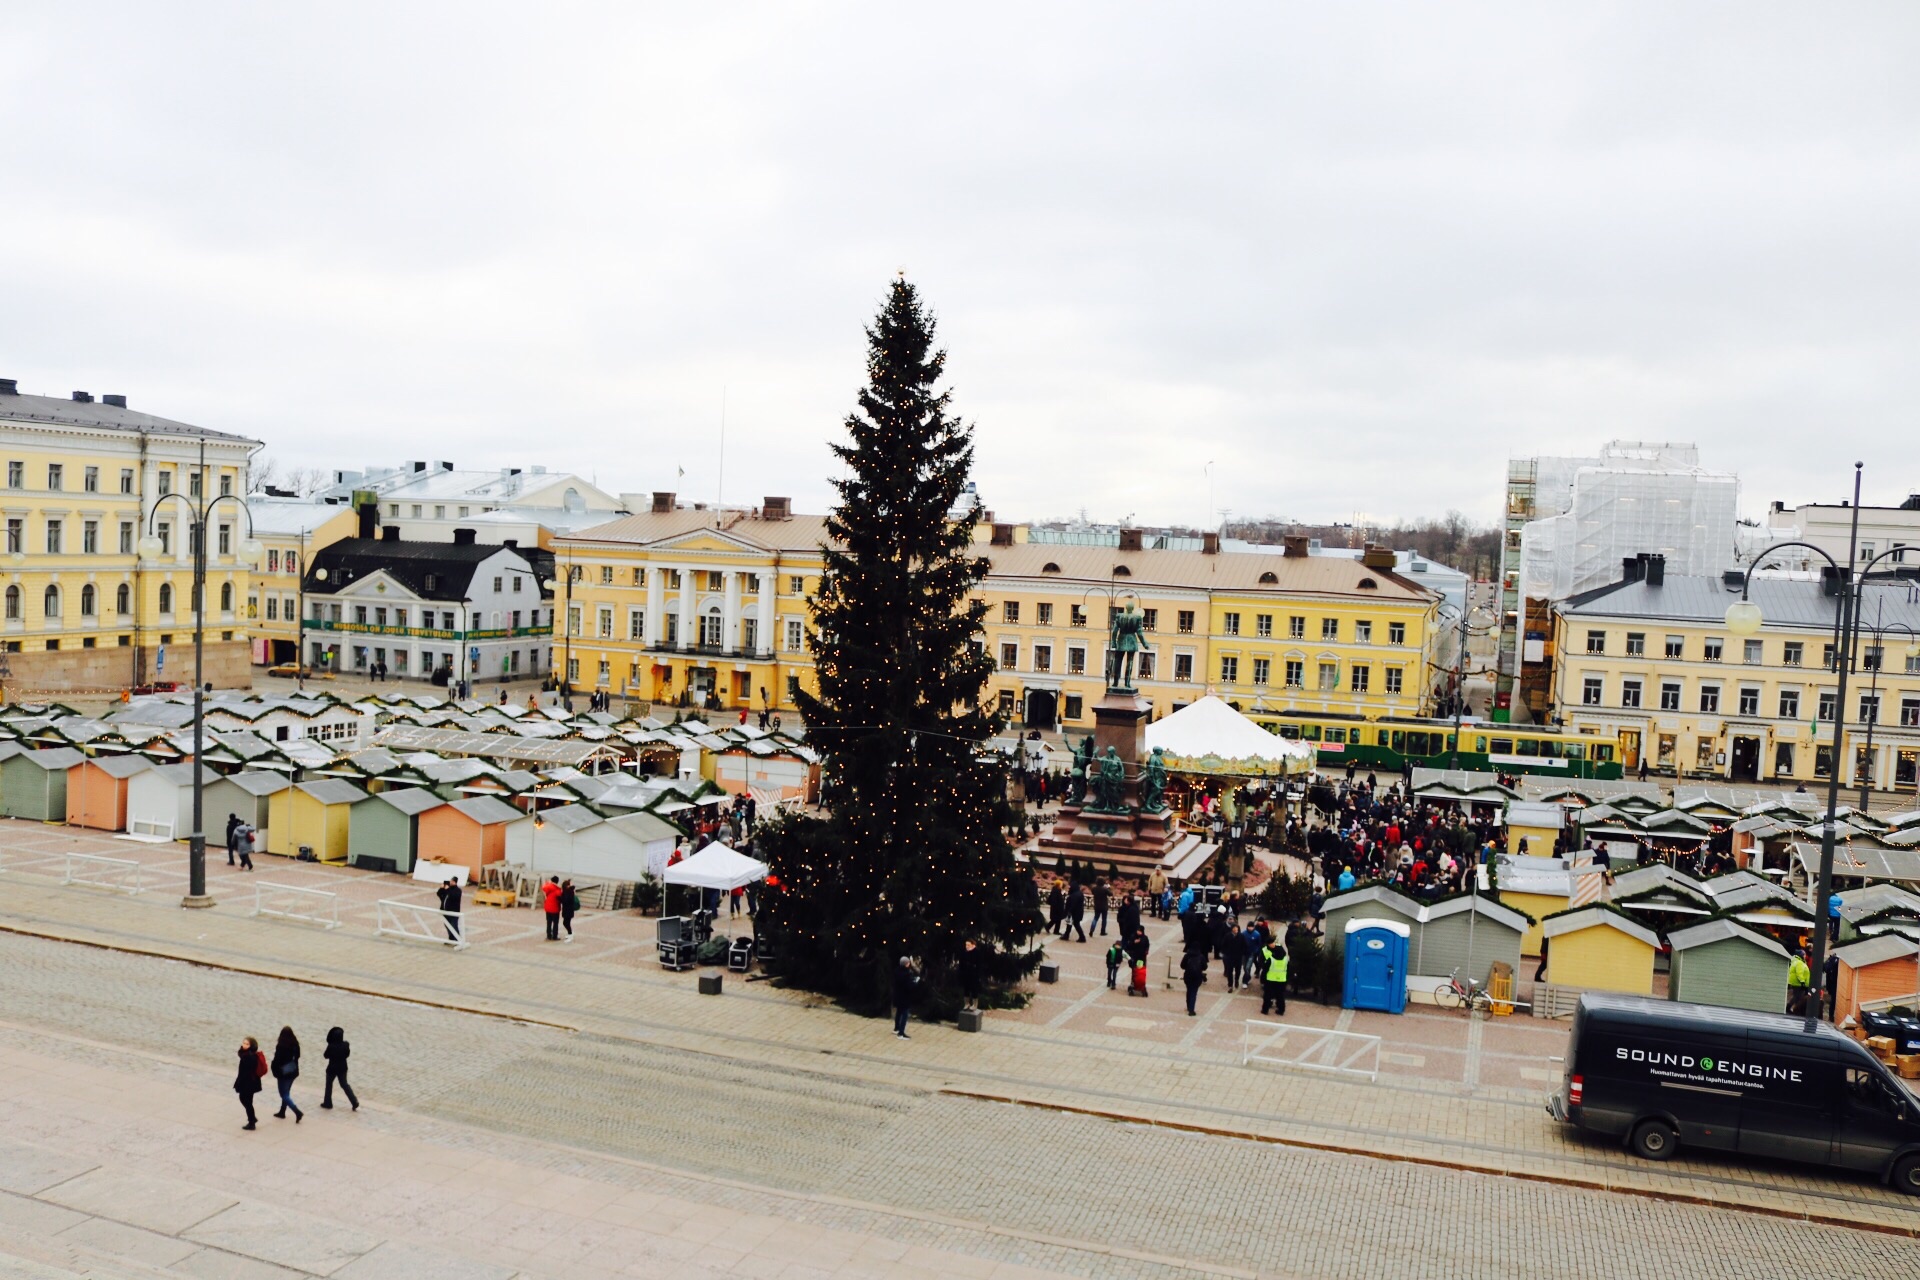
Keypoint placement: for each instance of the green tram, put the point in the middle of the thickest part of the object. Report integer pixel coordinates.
(1387, 744)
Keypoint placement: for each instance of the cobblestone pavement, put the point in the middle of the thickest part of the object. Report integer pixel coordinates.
(1144, 1073)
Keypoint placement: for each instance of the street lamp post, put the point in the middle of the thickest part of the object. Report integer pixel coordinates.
(150, 546)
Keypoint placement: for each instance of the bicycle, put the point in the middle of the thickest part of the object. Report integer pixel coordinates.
(1458, 993)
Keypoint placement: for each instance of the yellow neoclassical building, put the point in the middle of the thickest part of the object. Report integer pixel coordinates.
(683, 605)
(83, 608)
(290, 532)
(1652, 659)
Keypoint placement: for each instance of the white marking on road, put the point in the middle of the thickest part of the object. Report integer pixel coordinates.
(1345, 1021)
(1132, 1024)
(1404, 1059)
(1476, 1032)
(1073, 1010)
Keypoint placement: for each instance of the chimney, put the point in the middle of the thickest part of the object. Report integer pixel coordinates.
(1832, 580)
(1733, 579)
(1294, 546)
(82, 397)
(1632, 569)
(776, 509)
(510, 542)
(9, 386)
(1656, 569)
(417, 467)
(390, 533)
(1003, 535)
(1130, 540)
(662, 502)
(1210, 544)
(1375, 556)
(118, 402)
(463, 537)
(369, 520)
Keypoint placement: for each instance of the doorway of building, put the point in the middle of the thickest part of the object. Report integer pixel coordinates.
(700, 684)
(1746, 760)
(1042, 707)
(1630, 749)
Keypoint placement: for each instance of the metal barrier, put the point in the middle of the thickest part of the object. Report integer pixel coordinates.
(421, 924)
(122, 874)
(291, 902)
(150, 827)
(1313, 1048)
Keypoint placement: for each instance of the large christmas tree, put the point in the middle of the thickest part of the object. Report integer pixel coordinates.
(912, 857)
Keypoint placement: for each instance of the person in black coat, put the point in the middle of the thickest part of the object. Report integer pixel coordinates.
(1127, 917)
(1193, 968)
(336, 1054)
(905, 982)
(972, 962)
(449, 896)
(1056, 909)
(233, 825)
(286, 1069)
(1102, 898)
(1076, 912)
(247, 1082)
(1234, 952)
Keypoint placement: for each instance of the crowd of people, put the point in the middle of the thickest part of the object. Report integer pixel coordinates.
(1419, 848)
(284, 1068)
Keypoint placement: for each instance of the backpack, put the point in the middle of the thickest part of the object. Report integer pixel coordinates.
(259, 1063)
(1113, 956)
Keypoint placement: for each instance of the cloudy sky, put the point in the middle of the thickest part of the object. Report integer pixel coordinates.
(1353, 256)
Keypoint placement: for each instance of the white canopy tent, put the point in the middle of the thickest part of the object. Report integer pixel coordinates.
(1211, 737)
(717, 867)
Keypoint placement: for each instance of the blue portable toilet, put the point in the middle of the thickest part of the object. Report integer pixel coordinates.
(1376, 973)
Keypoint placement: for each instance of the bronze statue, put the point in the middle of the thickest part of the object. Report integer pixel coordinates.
(1153, 783)
(1112, 783)
(1082, 769)
(1123, 642)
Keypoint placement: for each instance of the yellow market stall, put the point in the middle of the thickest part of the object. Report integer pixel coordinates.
(1599, 949)
(316, 815)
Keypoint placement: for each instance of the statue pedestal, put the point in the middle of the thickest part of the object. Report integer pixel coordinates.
(1132, 841)
(1120, 722)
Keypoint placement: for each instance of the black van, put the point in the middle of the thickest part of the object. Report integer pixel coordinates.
(1661, 1075)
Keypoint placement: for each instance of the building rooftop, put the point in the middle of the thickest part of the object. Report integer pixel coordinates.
(430, 570)
(1797, 604)
(100, 416)
(1247, 571)
(793, 533)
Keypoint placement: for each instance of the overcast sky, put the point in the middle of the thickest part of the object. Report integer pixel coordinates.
(1352, 255)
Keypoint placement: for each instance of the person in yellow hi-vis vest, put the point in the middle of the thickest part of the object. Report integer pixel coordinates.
(1799, 979)
(1273, 991)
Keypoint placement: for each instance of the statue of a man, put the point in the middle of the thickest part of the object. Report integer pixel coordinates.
(1113, 783)
(1082, 769)
(1123, 642)
(1153, 783)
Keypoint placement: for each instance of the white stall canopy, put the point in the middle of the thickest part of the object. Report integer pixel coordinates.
(717, 867)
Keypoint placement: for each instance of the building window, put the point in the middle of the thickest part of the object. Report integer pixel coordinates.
(1790, 653)
(1753, 652)
(1362, 678)
(1782, 759)
(1363, 633)
(13, 602)
(1149, 619)
(1909, 712)
(1183, 622)
(123, 599)
(1043, 614)
(226, 597)
(224, 535)
(796, 640)
(1596, 642)
(226, 484)
(1394, 678)
(1396, 633)
(1869, 708)
(126, 537)
(1010, 612)
(1296, 674)
(606, 575)
(1077, 660)
(573, 619)
(606, 622)
(56, 476)
(1636, 644)
(90, 480)
(1229, 670)
(1329, 628)
(1749, 700)
(1676, 646)
(1789, 704)
(50, 604)
(1712, 649)
(573, 670)
(1823, 760)
(16, 475)
(1828, 708)
(193, 483)
(53, 537)
(1826, 656)
(1146, 664)
(636, 624)
(1669, 695)
(90, 537)
(1076, 616)
(126, 479)
(1183, 668)
(1296, 628)
(1630, 693)
(273, 608)
(1009, 657)
(1710, 698)
(1591, 689)
(1263, 624)
(1263, 669)
(1871, 656)
(163, 481)
(1043, 657)
(1072, 708)
(639, 577)
(1230, 623)
(16, 535)
(1329, 677)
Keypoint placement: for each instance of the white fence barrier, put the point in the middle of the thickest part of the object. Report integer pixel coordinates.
(291, 902)
(422, 924)
(1312, 1048)
(122, 874)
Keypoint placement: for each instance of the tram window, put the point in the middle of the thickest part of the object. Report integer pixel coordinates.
(1337, 734)
(1480, 743)
(1423, 744)
(1381, 740)
(1399, 740)
(1290, 731)
(1602, 752)
(1550, 748)
(1576, 751)
(1528, 747)
(1502, 747)
(1311, 732)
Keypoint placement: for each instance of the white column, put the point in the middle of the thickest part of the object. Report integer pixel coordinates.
(730, 621)
(656, 603)
(689, 626)
(767, 579)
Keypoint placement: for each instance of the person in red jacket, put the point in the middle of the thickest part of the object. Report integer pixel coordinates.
(550, 902)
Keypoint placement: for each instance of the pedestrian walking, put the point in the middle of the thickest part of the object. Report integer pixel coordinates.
(286, 1069)
(1137, 949)
(253, 1065)
(1056, 909)
(233, 828)
(1115, 954)
(569, 907)
(1273, 992)
(336, 1054)
(449, 896)
(550, 903)
(905, 980)
(245, 841)
(1540, 970)
(1076, 912)
(1234, 958)
(1102, 898)
(1193, 968)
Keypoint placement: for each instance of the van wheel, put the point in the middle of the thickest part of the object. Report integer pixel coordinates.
(1655, 1140)
(1906, 1175)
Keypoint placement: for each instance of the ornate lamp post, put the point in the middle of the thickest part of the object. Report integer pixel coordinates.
(249, 549)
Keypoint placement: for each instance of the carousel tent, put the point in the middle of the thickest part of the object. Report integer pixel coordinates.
(717, 867)
(1211, 737)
